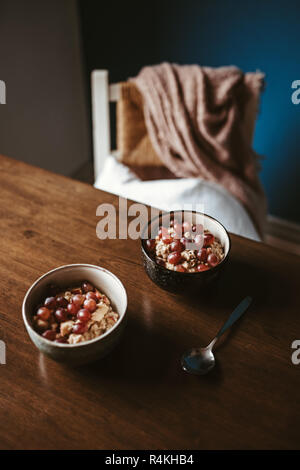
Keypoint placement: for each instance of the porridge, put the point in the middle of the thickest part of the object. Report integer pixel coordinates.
(74, 315)
(185, 247)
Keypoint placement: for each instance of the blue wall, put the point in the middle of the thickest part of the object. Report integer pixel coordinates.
(253, 35)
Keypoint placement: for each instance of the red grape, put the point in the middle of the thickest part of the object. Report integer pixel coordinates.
(212, 260)
(43, 313)
(83, 315)
(166, 238)
(178, 229)
(90, 305)
(78, 300)
(179, 268)
(202, 255)
(72, 309)
(50, 335)
(79, 328)
(202, 267)
(176, 245)
(94, 296)
(208, 239)
(87, 287)
(174, 258)
(61, 301)
(199, 240)
(198, 228)
(150, 243)
(98, 295)
(61, 314)
(50, 302)
(187, 226)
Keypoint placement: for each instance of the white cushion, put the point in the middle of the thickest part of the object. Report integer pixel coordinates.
(172, 194)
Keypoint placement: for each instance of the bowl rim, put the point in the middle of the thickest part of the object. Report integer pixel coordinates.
(84, 343)
(186, 273)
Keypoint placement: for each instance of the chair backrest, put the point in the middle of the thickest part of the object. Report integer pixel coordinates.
(134, 146)
(102, 94)
(142, 152)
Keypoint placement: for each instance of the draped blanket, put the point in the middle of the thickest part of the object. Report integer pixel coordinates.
(199, 124)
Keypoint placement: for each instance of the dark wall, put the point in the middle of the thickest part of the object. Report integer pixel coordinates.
(119, 36)
(45, 120)
(258, 34)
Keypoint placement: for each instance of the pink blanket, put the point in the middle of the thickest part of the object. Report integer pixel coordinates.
(195, 119)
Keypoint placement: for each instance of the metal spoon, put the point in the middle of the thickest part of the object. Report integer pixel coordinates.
(201, 360)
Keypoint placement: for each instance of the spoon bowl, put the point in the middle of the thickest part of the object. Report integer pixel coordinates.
(198, 361)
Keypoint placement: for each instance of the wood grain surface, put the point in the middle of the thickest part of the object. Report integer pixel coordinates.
(138, 397)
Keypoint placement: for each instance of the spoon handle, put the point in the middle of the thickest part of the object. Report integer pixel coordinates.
(236, 314)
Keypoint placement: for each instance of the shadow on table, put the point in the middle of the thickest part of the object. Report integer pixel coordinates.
(269, 289)
(266, 286)
(148, 354)
(147, 357)
(145, 354)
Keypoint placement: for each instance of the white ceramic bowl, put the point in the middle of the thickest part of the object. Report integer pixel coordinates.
(65, 276)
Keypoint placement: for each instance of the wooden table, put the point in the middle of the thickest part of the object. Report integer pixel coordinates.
(138, 397)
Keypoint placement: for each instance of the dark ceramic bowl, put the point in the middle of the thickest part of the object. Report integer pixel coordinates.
(69, 275)
(175, 281)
